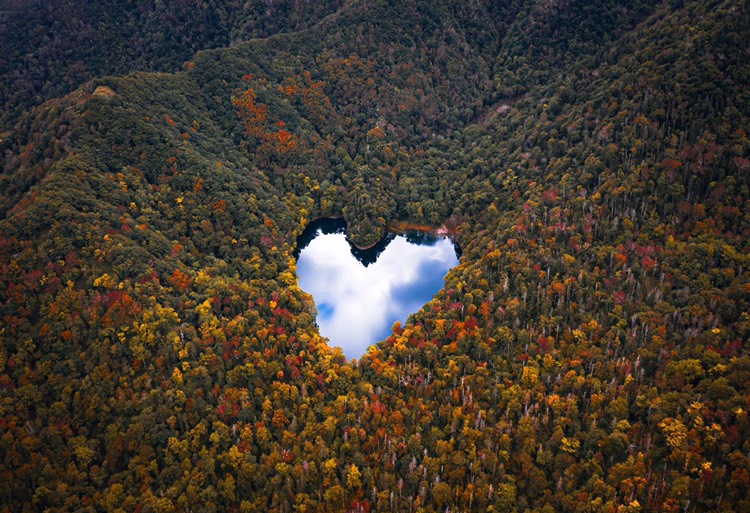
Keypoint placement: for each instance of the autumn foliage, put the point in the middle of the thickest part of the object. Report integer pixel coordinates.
(589, 353)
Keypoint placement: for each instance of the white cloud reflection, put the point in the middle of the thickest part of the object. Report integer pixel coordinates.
(357, 305)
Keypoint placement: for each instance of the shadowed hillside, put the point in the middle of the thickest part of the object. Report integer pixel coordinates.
(48, 48)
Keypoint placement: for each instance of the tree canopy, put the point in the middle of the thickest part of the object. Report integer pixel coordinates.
(588, 354)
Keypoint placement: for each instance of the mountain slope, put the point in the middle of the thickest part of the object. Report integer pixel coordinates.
(588, 354)
(47, 49)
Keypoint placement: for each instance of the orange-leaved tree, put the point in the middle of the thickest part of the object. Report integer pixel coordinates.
(253, 114)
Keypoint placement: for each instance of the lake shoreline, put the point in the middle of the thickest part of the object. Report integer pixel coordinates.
(447, 229)
(360, 294)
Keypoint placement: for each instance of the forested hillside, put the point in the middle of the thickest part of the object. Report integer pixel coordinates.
(589, 353)
(48, 48)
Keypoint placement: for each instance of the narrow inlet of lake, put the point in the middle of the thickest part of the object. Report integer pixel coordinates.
(361, 293)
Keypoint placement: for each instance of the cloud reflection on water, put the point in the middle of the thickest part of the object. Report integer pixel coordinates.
(357, 305)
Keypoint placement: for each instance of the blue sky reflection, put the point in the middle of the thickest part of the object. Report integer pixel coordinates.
(357, 305)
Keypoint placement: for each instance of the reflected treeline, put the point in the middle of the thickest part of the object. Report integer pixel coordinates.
(428, 239)
(367, 256)
(325, 226)
(370, 255)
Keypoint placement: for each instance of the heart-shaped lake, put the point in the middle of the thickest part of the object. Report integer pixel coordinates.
(361, 293)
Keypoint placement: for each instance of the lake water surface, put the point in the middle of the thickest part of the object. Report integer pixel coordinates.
(361, 293)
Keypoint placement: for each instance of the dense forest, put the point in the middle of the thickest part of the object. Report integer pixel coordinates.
(588, 354)
(48, 48)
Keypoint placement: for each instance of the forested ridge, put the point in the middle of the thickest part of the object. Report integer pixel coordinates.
(588, 354)
(48, 48)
